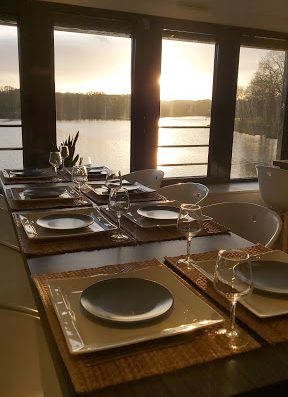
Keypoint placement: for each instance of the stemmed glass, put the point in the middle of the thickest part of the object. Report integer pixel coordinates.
(189, 223)
(119, 203)
(55, 160)
(79, 176)
(232, 279)
(64, 150)
(113, 179)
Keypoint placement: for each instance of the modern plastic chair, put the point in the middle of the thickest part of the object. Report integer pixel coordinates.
(253, 222)
(15, 289)
(7, 233)
(150, 177)
(190, 193)
(273, 186)
(26, 365)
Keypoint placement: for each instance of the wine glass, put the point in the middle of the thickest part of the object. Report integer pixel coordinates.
(189, 223)
(232, 279)
(79, 176)
(55, 160)
(113, 179)
(118, 203)
(64, 150)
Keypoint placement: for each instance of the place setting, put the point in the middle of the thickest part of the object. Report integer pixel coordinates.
(62, 230)
(50, 196)
(99, 193)
(264, 306)
(29, 175)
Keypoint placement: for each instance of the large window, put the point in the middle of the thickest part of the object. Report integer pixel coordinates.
(186, 92)
(11, 154)
(257, 119)
(93, 87)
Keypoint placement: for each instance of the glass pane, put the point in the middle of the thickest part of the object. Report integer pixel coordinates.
(10, 113)
(11, 159)
(11, 137)
(186, 91)
(257, 118)
(93, 87)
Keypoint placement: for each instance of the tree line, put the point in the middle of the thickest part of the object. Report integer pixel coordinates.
(257, 109)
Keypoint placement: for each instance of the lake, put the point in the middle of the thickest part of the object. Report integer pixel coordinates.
(108, 142)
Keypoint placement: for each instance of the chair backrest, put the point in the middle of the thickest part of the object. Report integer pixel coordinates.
(273, 186)
(253, 222)
(151, 177)
(189, 193)
(7, 233)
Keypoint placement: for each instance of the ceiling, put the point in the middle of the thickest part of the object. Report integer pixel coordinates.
(261, 14)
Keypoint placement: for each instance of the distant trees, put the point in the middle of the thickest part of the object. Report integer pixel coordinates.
(259, 105)
(9, 103)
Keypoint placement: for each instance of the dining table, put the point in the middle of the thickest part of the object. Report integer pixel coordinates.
(194, 361)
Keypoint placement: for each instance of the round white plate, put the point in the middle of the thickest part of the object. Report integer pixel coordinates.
(44, 192)
(126, 300)
(65, 221)
(159, 212)
(270, 276)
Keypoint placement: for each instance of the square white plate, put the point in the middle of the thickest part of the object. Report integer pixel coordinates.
(262, 304)
(36, 232)
(85, 334)
(18, 194)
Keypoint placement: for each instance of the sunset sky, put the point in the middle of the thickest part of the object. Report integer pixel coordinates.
(93, 63)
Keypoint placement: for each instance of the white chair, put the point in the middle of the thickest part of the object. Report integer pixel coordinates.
(189, 193)
(15, 288)
(273, 186)
(7, 232)
(150, 177)
(27, 368)
(253, 222)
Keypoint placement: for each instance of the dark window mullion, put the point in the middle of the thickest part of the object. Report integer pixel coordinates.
(145, 97)
(223, 105)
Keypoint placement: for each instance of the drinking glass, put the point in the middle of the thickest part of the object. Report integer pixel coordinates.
(189, 223)
(113, 179)
(232, 279)
(64, 150)
(118, 203)
(79, 176)
(55, 160)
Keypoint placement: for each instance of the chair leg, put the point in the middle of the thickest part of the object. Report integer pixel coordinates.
(285, 232)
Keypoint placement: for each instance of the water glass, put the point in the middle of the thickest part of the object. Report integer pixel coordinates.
(64, 150)
(119, 203)
(189, 223)
(79, 176)
(232, 279)
(55, 160)
(113, 179)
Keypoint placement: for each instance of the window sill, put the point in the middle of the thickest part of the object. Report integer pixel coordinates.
(234, 187)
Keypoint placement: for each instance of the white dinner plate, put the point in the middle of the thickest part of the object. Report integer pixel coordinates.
(85, 334)
(65, 221)
(126, 300)
(164, 212)
(44, 192)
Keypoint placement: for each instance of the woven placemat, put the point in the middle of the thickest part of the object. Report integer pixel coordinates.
(89, 372)
(92, 241)
(14, 181)
(46, 204)
(164, 233)
(134, 198)
(272, 329)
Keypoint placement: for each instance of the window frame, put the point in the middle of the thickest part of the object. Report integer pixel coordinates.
(36, 21)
